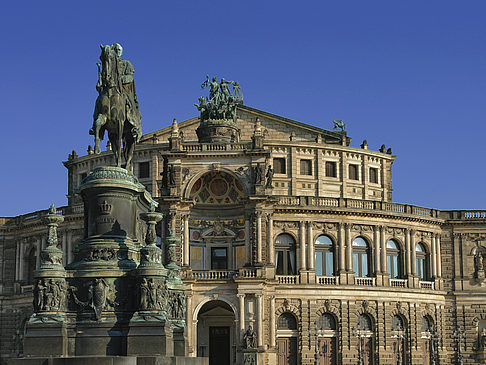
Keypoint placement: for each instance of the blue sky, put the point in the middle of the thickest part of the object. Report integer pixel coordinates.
(409, 74)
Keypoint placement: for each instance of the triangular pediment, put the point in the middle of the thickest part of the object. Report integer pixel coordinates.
(276, 128)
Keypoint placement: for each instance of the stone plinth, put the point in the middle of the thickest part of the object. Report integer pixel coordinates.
(217, 131)
(116, 298)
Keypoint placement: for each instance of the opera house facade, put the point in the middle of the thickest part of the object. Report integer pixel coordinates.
(290, 246)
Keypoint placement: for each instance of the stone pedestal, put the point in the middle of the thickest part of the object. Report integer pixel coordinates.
(252, 357)
(217, 131)
(116, 298)
(150, 338)
(46, 339)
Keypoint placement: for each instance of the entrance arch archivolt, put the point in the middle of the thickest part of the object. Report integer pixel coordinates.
(220, 299)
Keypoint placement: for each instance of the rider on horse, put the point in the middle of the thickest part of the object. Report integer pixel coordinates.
(116, 109)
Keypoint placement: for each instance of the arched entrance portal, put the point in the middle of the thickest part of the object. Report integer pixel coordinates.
(216, 333)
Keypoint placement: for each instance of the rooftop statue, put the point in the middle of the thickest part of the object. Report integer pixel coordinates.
(339, 124)
(116, 109)
(222, 101)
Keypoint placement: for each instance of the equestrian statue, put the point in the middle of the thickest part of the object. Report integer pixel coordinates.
(116, 109)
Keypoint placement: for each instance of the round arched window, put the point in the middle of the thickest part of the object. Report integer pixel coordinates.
(421, 262)
(324, 256)
(285, 254)
(361, 257)
(365, 323)
(393, 259)
(287, 321)
(326, 322)
(397, 323)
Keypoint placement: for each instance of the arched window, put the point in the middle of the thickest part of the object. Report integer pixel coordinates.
(365, 323)
(326, 322)
(286, 321)
(427, 325)
(285, 254)
(393, 259)
(324, 256)
(421, 262)
(397, 324)
(361, 257)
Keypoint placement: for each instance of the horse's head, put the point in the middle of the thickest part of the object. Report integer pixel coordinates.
(109, 64)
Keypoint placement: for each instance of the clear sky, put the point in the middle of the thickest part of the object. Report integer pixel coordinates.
(409, 74)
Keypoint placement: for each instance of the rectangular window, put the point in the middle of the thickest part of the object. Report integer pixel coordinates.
(373, 175)
(219, 260)
(306, 167)
(144, 170)
(279, 165)
(353, 172)
(331, 170)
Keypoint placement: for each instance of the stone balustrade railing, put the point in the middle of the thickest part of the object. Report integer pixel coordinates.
(426, 285)
(310, 201)
(328, 280)
(365, 281)
(398, 283)
(212, 147)
(463, 214)
(287, 279)
(212, 275)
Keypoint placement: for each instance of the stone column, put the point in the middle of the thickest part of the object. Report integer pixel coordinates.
(271, 245)
(186, 241)
(413, 252)
(241, 298)
(439, 262)
(260, 319)
(272, 322)
(349, 248)
(376, 239)
(259, 237)
(408, 253)
(69, 249)
(433, 256)
(302, 246)
(247, 241)
(383, 250)
(189, 324)
(342, 249)
(311, 245)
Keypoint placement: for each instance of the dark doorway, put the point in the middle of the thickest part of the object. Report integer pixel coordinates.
(287, 351)
(219, 346)
(327, 351)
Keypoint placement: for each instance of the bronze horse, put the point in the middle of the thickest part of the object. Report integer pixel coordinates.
(115, 111)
